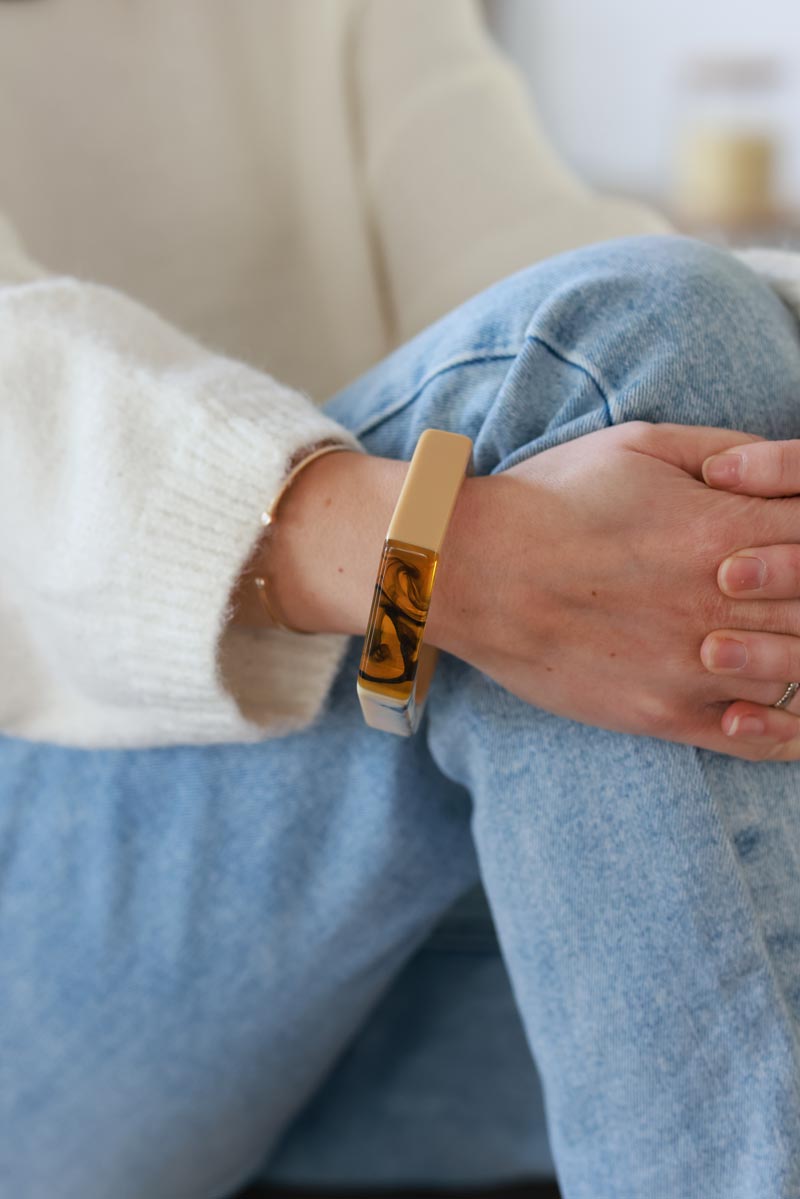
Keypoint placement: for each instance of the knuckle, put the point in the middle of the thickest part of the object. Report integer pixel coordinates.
(711, 608)
(656, 717)
(721, 530)
(778, 617)
(781, 463)
(791, 568)
(639, 433)
(788, 666)
(789, 617)
(776, 463)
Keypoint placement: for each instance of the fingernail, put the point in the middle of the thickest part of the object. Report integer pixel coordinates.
(723, 653)
(723, 469)
(742, 573)
(747, 726)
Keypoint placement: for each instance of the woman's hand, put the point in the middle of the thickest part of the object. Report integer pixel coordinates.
(744, 656)
(585, 581)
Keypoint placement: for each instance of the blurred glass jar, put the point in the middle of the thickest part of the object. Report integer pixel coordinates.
(728, 143)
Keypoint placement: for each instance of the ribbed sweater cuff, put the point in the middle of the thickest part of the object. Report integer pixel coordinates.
(197, 678)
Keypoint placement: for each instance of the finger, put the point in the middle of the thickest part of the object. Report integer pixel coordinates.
(765, 468)
(751, 666)
(764, 694)
(732, 735)
(751, 655)
(768, 572)
(761, 733)
(689, 446)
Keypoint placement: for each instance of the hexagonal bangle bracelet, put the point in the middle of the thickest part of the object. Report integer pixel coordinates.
(396, 668)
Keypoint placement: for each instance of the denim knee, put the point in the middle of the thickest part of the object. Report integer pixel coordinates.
(673, 329)
(647, 328)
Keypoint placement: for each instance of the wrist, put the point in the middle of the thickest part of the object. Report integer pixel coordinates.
(494, 561)
(321, 553)
(460, 604)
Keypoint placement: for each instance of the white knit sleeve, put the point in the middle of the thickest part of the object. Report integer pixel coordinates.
(134, 466)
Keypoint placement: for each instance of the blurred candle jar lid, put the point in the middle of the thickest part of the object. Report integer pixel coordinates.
(726, 149)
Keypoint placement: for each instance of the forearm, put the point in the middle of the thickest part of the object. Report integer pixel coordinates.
(321, 555)
(539, 584)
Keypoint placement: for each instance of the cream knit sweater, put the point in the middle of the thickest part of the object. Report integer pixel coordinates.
(236, 206)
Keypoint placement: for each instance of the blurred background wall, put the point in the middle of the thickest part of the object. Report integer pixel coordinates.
(641, 95)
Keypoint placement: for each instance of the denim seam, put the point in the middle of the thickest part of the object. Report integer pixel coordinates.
(744, 890)
(586, 368)
(597, 379)
(758, 935)
(500, 355)
(786, 1022)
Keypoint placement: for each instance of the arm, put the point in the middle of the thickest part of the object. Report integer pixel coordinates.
(134, 465)
(585, 634)
(462, 186)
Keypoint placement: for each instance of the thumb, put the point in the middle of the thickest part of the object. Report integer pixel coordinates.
(690, 446)
(764, 468)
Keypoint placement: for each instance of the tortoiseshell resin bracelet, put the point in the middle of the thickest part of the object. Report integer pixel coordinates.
(396, 668)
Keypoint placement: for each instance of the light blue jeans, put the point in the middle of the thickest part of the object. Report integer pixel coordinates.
(218, 962)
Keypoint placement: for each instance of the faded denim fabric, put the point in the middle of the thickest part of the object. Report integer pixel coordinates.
(221, 961)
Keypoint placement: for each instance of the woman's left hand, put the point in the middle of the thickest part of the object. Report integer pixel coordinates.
(766, 469)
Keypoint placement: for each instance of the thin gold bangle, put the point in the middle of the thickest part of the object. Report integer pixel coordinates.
(267, 520)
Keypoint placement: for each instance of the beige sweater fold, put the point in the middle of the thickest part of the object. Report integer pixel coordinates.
(238, 208)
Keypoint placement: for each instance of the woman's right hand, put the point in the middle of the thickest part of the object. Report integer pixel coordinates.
(584, 580)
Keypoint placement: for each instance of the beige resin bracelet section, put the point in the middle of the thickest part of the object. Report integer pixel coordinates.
(396, 668)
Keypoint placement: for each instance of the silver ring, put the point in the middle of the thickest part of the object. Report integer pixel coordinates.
(788, 695)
